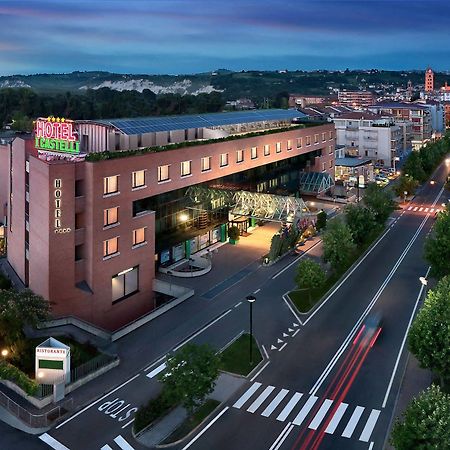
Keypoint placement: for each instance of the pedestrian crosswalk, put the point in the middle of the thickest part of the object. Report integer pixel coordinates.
(422, 209)
(283, 405)
(56, 445)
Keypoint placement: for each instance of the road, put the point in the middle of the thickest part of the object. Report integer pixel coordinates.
(305, 354)
(332, 387)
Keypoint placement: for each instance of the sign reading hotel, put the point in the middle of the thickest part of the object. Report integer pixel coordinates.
(56, 135)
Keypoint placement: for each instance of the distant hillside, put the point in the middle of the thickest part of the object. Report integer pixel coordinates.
(250, 84)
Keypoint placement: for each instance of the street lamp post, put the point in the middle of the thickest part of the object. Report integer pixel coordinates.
(405, 193)
(251, 299)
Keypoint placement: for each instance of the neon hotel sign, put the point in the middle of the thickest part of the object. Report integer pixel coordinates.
(55, 134)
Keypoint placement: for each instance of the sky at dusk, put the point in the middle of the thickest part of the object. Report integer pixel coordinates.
(189, 36)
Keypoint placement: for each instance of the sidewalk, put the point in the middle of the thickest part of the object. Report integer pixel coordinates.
(414, 381)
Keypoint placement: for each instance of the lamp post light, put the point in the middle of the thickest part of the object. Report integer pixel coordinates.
(405, 194)
(251, 299)
(5, 352)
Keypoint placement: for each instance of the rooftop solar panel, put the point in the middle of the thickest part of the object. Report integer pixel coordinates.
(141, 125)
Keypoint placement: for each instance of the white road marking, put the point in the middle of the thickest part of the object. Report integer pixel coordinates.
(128, 423)
(315, 423)
(248, 393)
(289, 407)
(282, 347)
(279, 341)
(202, 330)
(295, 334)
(375, 298)
(106, 447)
(259, 401)
(370, 425)
(426, 209)
(292, 309)
(295, 324)
(432, 210)
(350, 428)
(257, 290)
(153, 364)
(122, 443)
(274, 403)
(305, 410)
(388, 390)
(205, 429)
(265, 351)
(290, 330)
(97, 401)
(416, 208)
(52, 442)
(295, 260)
(282, 437)
(331, 428)
(371, 445)
(272, 347)
(238, 304)
(410, 208)
(285, 335)
(156, 371)
(420, 209)
(259, 371)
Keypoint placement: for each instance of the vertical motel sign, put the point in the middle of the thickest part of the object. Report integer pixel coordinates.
(56, 135)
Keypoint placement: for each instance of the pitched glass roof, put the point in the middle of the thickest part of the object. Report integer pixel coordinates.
(141, 125)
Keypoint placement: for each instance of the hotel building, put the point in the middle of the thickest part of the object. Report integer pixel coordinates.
(89, 225)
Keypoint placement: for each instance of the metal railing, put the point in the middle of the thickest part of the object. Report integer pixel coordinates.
(35, 420)
(90, 367)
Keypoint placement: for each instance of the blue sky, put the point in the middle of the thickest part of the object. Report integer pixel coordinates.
(188, 36)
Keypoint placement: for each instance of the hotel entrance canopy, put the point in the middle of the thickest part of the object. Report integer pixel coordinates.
(252, 204)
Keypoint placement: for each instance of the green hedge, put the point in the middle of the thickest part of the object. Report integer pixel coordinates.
(12, 373)
(154, 409)
(93, 157)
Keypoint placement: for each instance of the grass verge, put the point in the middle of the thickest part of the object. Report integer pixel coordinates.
(236, 357)
(193, 421)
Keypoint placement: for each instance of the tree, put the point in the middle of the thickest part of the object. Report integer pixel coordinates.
(425, 424)
(191, 375)
(310, 275)
(361, 222)
(429, 336)
(338, 245)
(406, 184)
(437, 246)
(321, 222)
(413, 167)
(20, 309)
(379, 201)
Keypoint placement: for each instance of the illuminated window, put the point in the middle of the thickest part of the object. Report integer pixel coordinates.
(240, 156)
(289, 144)
(138, 179)
(110, 216)
(206, 163)
(163, 173)
(278, 147)
(111, 185)
(125, 284)
(254, 153)
(139, 236)
(110, 247)
(223, 159)
(186, 168)
(267, 150)
(299, 142)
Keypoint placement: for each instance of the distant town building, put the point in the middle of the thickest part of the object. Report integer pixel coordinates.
(356, 99)
(368, 135)
(418, 114)
(429, 80)
(241, 104)
(300, 100)
(445, 93)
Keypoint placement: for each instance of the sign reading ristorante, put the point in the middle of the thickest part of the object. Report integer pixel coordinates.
(57, 135)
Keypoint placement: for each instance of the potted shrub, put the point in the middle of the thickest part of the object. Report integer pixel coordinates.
(233, 234)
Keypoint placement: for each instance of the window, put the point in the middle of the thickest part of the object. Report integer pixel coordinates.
(110, 216)
(278, 147)
(331, 135)
(331, 164)
(289, 144)
(186, 168)
(316, 138)
(330, 150)
(308, 140)
(125, 284)
(206, 163)
(240, 156)
(138, 179)
(110, 247)
(323, 167)
(163, 173)
(223, 159)
(324, 137)
(299, 142)
(111, 185)
(138, 236)
(267, 150)
(254, 152)
(79, 250)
